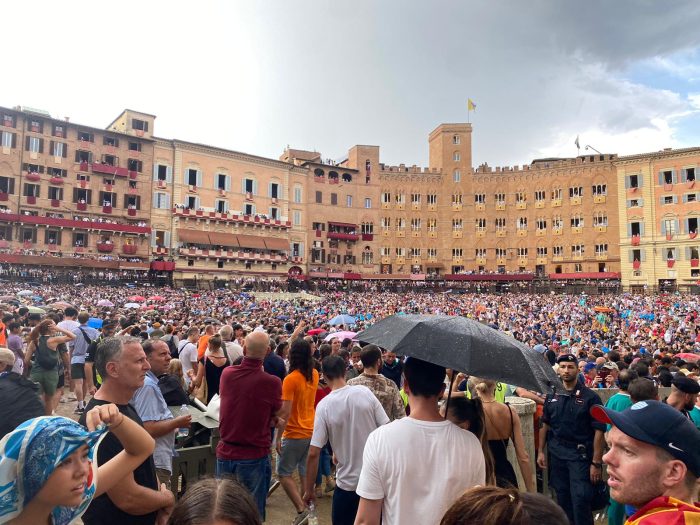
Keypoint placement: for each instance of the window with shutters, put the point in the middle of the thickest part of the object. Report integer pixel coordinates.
(667, 176)
(669, 226)
(7, 185)
(8, 120)
(668, 199)
(692, 223)
(274, 190)
(108, 198)
(192, 203)
(36, 126)
(368, 203)
(32, 190)
(297, 194)
(52, 237)
(140, 125)
(57, 172)
(601, 249)
(9, 140)
(632, 181)
(132, 202)
(110, 160)
(249, 186)
(162, 172)
(635, 228)
(34, 144)
(191, 177)
(59, 149)
(222, 182)
(690, 197)
(83, 156)
(274, 213)
(249, 209)
(689, 174)
(221, 206)
(134, 165)
(82, 196)
(86, 136)
(634, 203)
(55, 194)
(161, 200)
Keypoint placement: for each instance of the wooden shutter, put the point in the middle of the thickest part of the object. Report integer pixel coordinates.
(661, 178)
(41, 145)
(26, 143)
(674, 176)
(627, 181)
(684, 175)
(199, 178)
(155, 200)
(227, 183)
(169, 174)
(255, 187)
(89, 197)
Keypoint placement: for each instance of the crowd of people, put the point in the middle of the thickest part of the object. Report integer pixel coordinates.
(304, 406)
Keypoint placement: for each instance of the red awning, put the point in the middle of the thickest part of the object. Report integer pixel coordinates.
(223, 239)
(193, 236)
(252, 241)
(342, 224)
(277, 244)
(585, 275)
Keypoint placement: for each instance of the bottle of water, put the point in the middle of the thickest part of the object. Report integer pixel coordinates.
(183, 432)
(312, 516)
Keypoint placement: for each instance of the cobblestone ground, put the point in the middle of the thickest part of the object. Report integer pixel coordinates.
(280, 510)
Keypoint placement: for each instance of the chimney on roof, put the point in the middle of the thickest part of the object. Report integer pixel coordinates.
(67, 119)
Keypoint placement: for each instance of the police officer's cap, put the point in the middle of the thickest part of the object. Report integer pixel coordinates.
(567, 358)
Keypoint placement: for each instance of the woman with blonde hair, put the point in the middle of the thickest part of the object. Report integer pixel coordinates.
(502, 425)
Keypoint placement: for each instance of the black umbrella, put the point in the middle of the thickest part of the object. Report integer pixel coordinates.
(465, 345)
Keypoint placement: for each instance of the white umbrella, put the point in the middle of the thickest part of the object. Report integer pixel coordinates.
(25, 293)
(132, 305)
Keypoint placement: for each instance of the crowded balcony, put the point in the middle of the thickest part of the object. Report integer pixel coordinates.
(85, 223)
(129, 249)
(257, 219)
(342, 231)
(106, 169)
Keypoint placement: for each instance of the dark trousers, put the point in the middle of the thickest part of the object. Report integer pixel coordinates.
(571, 481)
(345, 504)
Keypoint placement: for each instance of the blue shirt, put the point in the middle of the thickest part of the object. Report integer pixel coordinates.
(151, 406)
(80, 345)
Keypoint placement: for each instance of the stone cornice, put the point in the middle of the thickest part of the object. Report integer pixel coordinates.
(641, 157)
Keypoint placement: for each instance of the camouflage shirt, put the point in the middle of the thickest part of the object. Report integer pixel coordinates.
(385, 390)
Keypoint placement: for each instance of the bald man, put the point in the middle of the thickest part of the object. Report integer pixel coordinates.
(251, 401)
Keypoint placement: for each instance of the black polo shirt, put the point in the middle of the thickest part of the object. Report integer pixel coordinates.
(569, 417)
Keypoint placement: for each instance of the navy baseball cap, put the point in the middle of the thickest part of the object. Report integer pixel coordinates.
(657, 424)
(567, 358)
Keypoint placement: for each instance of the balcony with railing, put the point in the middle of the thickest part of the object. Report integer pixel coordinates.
(129, 249)
(106, 169)
(342, 231)
(105, 247)
(69, 223)
(231, 217)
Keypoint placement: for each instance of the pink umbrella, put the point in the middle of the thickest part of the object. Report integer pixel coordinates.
(137, 298)
(687, 356)
(156, 298)
(341, 335)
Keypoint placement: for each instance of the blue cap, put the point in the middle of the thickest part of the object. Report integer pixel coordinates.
(657, 424)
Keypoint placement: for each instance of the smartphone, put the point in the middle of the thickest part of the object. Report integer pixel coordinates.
(603, 373)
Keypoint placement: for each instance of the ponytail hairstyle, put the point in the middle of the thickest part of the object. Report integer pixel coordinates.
(41, 329)
(484, 386)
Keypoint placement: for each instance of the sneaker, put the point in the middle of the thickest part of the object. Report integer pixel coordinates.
(302, 517)
(273, 487)
(79, 411)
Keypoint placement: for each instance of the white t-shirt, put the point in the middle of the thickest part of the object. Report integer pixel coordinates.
(419, 468)
(346, 417)
(233, 350)
(187, 353)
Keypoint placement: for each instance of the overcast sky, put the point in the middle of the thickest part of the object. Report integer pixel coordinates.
(258, 75)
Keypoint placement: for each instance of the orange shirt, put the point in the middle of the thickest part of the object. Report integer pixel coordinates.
(666, 511)
(3, 335)
(302, 394)
(202, 346)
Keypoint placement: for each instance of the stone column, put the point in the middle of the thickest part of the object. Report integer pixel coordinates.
(525, 408)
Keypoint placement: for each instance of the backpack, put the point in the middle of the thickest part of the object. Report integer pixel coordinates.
(172, 347)
(45, 357)
(172, 392)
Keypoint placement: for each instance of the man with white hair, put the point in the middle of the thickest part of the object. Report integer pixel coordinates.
(233, 349)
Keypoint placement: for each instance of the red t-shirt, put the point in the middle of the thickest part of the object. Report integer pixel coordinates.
(249, 399)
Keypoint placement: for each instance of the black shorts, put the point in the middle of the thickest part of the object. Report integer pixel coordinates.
(61, 380)
(77, 371)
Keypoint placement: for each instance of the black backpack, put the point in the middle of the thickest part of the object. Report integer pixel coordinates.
(172, 391)
(172, 347)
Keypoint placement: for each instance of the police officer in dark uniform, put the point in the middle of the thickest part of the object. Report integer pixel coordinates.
(575, 443)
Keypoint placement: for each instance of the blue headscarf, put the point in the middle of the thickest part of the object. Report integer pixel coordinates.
(30, 454)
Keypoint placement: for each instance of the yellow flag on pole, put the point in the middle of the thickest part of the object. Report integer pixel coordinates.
(470, 105)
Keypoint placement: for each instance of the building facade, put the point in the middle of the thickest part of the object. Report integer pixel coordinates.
(659, 210)
(124, 198)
